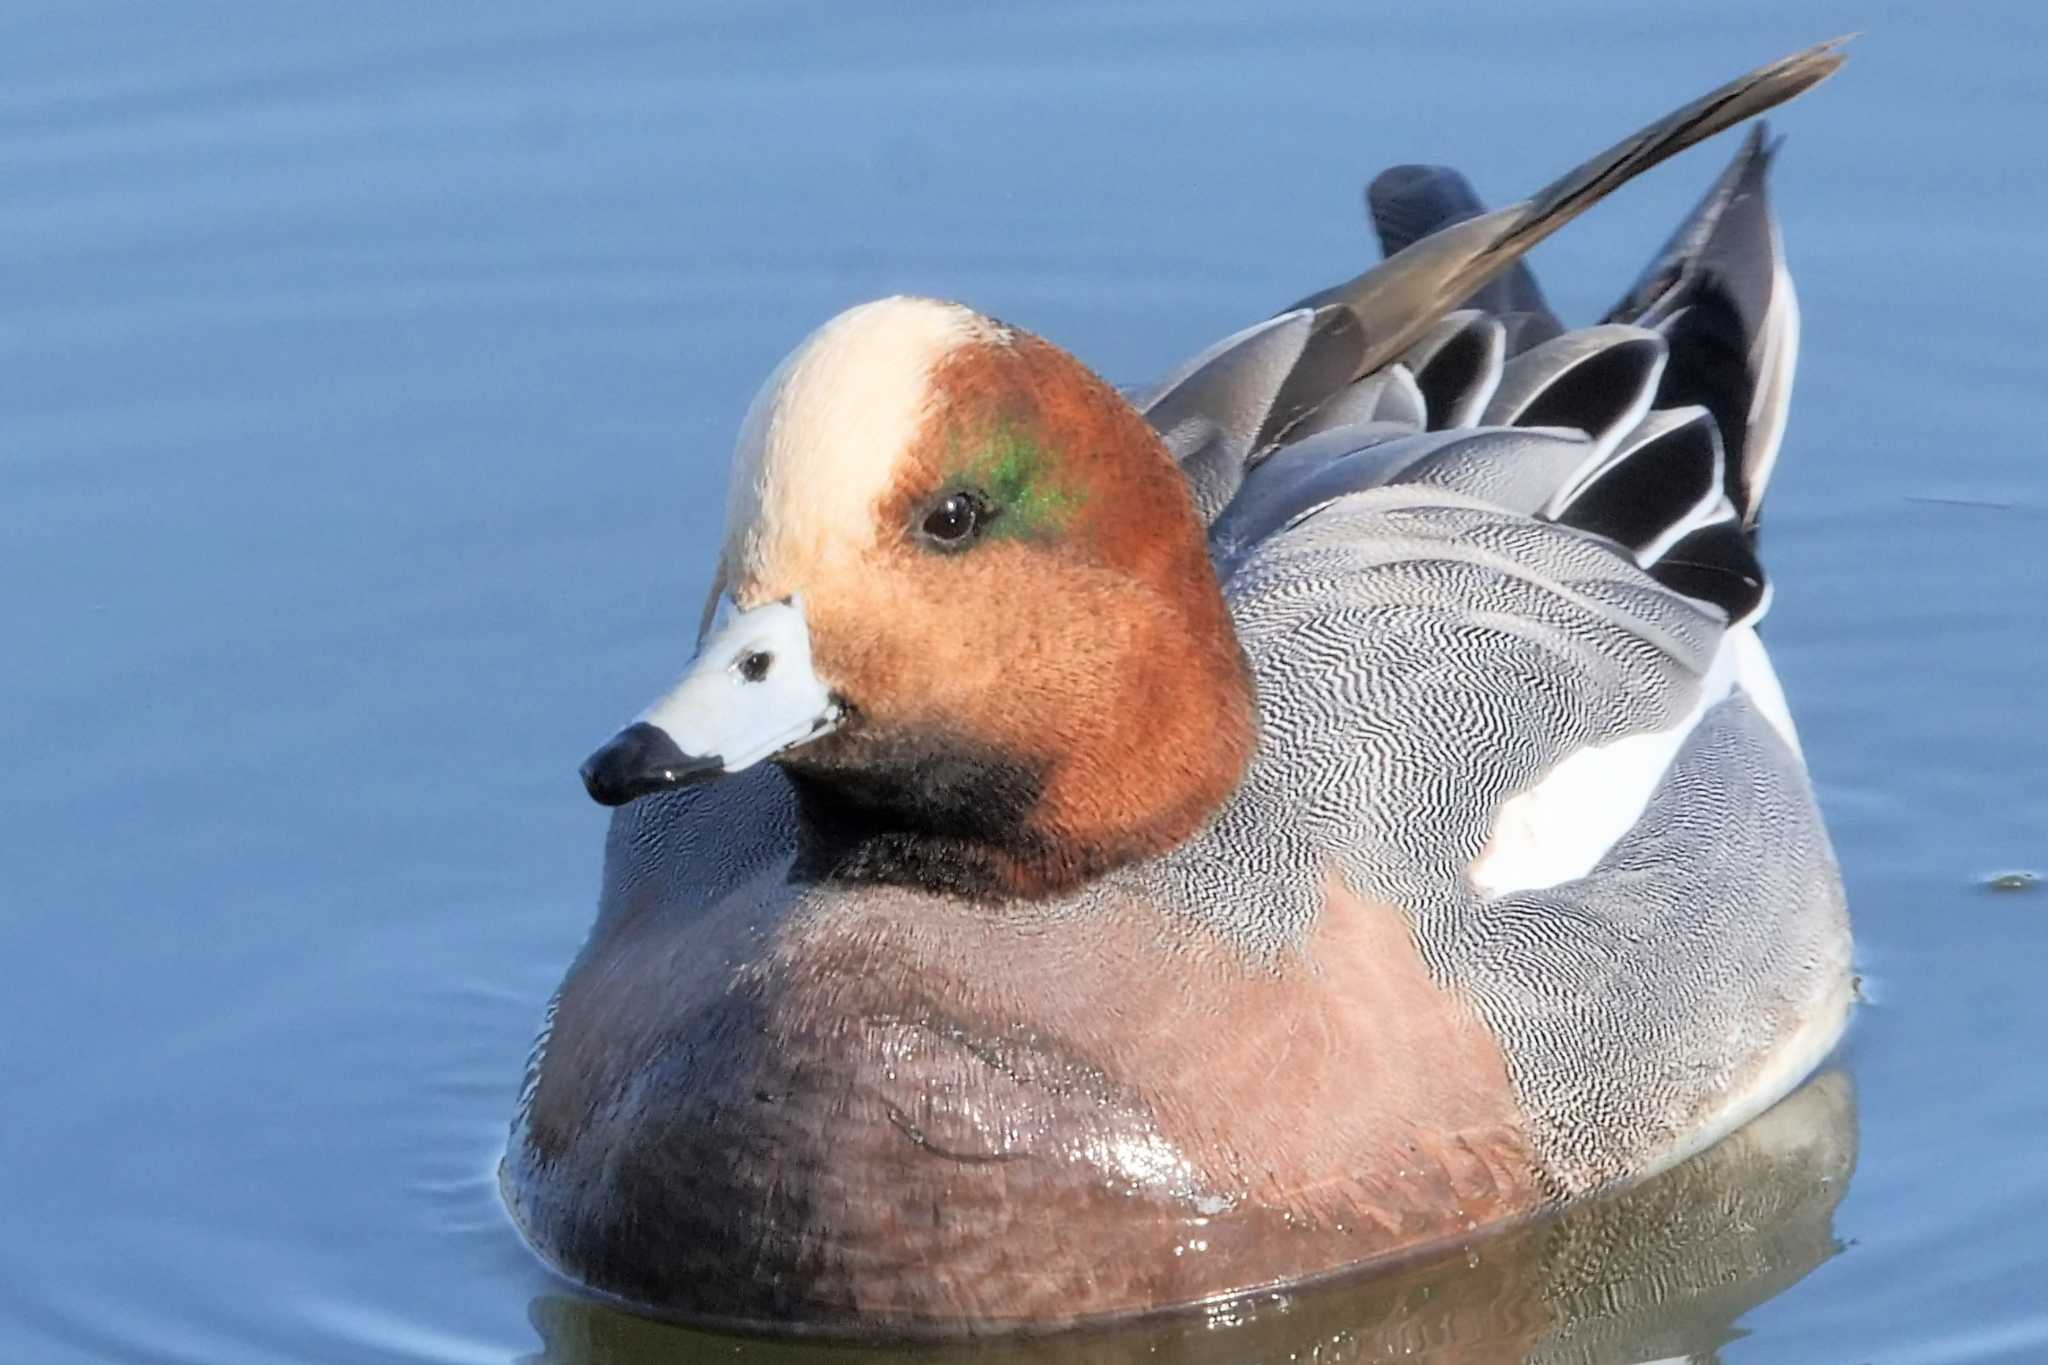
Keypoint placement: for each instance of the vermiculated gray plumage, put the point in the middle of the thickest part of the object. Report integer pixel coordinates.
(1439, 617)
(1462, 549)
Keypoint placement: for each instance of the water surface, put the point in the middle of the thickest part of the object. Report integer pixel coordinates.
(366, 378)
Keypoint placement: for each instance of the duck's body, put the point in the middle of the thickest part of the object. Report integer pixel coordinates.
(1309, 812)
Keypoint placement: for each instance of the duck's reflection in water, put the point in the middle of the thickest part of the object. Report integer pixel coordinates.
(1656, 1273)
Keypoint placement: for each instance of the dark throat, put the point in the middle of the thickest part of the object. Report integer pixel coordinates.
(936, 815)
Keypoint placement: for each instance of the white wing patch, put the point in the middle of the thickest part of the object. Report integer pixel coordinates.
(1560, 828)
(1759, 681)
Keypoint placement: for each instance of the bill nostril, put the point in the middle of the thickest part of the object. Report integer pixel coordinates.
(754, 665)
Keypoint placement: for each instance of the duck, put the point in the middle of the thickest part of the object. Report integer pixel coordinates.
(1118, 850)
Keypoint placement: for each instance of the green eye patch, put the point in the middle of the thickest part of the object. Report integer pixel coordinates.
(1022, 484)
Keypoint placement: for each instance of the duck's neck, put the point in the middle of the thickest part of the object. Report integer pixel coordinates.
(944, 815)
(947, 822)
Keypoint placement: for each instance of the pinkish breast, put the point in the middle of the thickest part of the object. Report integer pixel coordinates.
(878, 1109)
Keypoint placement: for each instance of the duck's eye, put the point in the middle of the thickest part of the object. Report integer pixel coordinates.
(956, 519)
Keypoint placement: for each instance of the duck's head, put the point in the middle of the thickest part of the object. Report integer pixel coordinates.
(965, 601)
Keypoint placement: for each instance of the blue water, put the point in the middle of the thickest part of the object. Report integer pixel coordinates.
(366, 377)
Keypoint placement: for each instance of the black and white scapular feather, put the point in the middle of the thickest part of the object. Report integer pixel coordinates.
(1655, 428)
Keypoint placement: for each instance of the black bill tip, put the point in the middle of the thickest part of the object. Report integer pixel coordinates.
(640, 760)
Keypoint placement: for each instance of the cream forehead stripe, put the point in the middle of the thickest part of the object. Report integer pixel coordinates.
(821, 442)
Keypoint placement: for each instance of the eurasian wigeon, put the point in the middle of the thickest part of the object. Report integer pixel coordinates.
(1113, 850)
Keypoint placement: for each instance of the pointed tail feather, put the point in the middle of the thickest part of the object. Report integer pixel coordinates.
(1397, 301)
(1719, 292)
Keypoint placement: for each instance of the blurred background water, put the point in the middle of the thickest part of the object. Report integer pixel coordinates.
(367, 374)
